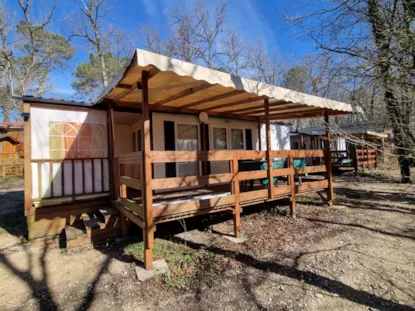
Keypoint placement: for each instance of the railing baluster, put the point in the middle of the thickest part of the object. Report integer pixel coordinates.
(292, 184)
(63, 178)
(93, 175)
(102, 175)
(83, 176)
(73, 179)
(51, 178)
(39, 179)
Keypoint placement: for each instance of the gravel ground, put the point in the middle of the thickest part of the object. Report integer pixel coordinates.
(360, 255)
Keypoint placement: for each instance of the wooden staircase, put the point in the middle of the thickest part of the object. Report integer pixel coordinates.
(94, 228)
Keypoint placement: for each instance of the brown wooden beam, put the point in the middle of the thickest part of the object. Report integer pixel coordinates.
(236, 190)
(28, 162)
(271, 109)
(123, 86)
(196, 111)
(147, 176)
(240, 102)
(124, 93)
(133, 87)
(269, 148)
(111, 146)
(327, 160)
(214, 98)
(259, 135)
(296, 116)
(182, 94)
(284, 110)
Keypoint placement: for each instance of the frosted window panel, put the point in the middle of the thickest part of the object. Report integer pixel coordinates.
(220, 141)
(237, 139)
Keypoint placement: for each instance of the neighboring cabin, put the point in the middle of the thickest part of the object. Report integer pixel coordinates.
(347, 138)
(11, 148)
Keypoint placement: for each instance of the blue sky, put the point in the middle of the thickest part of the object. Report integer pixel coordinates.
(253, 19)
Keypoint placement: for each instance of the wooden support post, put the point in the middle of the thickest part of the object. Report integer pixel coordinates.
(259, 135)
(327, 159)
(110, 118)
(204, 148)
(291, 181)
(269, 147)
(237, 210)
(302, 141)
(148, 231)
(28, 162)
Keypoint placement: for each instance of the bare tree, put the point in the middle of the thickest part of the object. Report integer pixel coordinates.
(235, 54)
(101, 37)
(111, 46)
(194, 35)
(264, 66)
(377, 38)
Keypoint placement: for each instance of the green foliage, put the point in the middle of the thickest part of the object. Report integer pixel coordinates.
(296, 78)
(37, 54)
(185, 263)
(88, 75)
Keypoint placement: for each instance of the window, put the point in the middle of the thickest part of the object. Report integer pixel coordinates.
(187, 138)
(76, 140)
(237, 139)
(220, 141)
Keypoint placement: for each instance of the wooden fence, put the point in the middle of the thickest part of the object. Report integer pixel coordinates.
(366, 158)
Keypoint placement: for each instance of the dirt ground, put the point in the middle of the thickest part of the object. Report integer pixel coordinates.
(360, 255)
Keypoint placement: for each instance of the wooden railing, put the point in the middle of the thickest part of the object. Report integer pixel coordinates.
(128, 174)
(11, 170)
(61, 171)
(234, 177)
(161, 212)
(366, 157)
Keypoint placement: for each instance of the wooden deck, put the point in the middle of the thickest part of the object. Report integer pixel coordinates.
(181, 197)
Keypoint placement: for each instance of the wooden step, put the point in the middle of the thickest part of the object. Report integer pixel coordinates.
(93, 221)
(108, 212)
(75, 236)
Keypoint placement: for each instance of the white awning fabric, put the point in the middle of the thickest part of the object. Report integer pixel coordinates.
(178, 86)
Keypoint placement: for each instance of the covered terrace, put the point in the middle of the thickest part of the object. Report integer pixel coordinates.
(154, 83)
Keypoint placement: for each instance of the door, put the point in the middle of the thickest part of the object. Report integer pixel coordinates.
(187, 140)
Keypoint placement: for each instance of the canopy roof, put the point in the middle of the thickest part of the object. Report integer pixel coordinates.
(356, 129)
(182, 87)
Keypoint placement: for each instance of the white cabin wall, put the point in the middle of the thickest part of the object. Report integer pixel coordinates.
(280, 137)
(122, 139)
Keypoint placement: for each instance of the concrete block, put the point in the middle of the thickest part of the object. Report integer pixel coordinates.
(242, 239)
(159, 267)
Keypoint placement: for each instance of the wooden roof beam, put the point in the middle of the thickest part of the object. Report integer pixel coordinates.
(196, 112)
(214, 98)
(301, 108)
(298, 115)
(124, 93)
(182, 94)
(240, 102)
(131, 88)
(272, 109)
